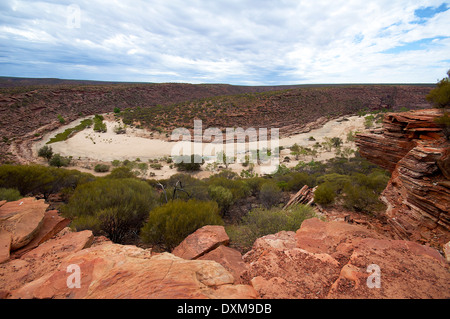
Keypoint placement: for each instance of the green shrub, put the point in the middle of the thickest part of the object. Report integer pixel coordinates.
(270, 194)
(222, 196)
(116, 208)
(189, 163)
(325, 194)
(121, 172)
(440, 96)
(238, 187)
(170, 224)
(261, 222)
(45, 152)
(61, 119)
(9, 194)
(59, 161)
(67, 133)
(37, 179)
(99, 126)
(101, 168)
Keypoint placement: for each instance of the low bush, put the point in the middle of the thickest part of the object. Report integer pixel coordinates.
(59, 161)
(270, 194)
(101, 168)
(168, 225)
(36, 179)
(261, 222)
(116, 208)
(222, 196)
(45, 152)
(9, 194)
(189, 163)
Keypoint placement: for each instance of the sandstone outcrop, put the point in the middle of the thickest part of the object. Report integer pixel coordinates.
(415, 149)
(112, 271)
(41, 268)
(202, 241)
(333, 259)
(22, 219)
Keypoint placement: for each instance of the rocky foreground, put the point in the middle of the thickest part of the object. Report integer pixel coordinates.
(41, 258)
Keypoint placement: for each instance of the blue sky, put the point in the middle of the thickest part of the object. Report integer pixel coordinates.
(247, 42)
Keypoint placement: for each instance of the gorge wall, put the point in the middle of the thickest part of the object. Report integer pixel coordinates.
(416, 150)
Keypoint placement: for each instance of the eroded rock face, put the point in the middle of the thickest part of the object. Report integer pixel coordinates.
(111, 271)
(202, 241)
(333, 259)
(413, 147)
(22, 219)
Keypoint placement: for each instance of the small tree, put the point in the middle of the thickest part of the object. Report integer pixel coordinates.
(192, 163)
(440, 96)
(59, 161)
(269, 194)
(46, 152)
(169, 224)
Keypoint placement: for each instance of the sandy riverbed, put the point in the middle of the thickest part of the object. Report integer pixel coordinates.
(89, 146)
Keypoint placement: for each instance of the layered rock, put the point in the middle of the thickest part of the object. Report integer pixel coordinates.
(22, 219)
(203, 240)
(414, 148)
(112, 271)
(335, 260)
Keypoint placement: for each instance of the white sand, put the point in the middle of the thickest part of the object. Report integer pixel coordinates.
(136, 143)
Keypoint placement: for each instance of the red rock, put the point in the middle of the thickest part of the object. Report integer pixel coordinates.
(112, 271)
(5, 245)
(22, 219)
(278, 272)
(201, 242)
(42, 260)
(53, 223)
(407, 271)
(332, 259)
(229, 258)
(414, 148)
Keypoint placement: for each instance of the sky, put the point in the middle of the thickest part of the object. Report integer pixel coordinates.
(241, 42)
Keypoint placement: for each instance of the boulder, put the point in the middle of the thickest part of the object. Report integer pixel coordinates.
(5, 245)
(22, 219)
(52, 224)
(42, 260)
(406, 270)
(202, 241)
(336, 260)
(229, 258)
(112, 271)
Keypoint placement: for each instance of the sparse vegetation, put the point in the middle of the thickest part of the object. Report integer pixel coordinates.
(9, 194)
(170, 223)
(101, 168)
(440, 96)
(261, 222)
(45, 152)
(116, 208)
(99, 125)
(70, 131)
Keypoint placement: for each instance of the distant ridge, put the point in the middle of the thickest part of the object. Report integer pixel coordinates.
(10, 81)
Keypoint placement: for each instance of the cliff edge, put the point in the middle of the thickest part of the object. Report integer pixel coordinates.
(417, 152)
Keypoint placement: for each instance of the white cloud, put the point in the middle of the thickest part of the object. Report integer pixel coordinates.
(233, 41)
